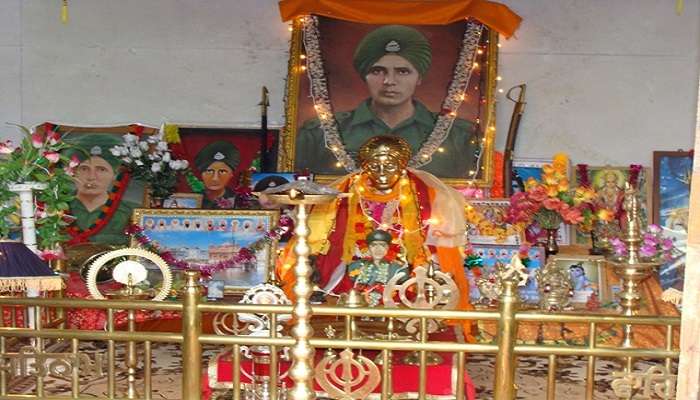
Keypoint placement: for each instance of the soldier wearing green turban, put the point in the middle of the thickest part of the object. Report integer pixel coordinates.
(370, 275)
(216, 163)
(392, 60)
(94, 182)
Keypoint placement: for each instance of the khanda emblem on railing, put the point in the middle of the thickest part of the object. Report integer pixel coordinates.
(656, 382)
(347, 375)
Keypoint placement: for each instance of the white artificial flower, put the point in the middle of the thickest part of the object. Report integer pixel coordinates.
(152, 157)
(156, 167)
(166, 157)
(115, 151)
(130, 139)
(136, 153)
(162, 146)
(144, 146)
(124, 150)
(139, 163)
(126, 160)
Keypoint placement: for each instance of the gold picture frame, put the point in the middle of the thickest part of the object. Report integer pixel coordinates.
(192, 236)
(296, 71)
(591, 278)
(184, 201)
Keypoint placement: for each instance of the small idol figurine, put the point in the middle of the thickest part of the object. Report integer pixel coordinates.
(370, 275)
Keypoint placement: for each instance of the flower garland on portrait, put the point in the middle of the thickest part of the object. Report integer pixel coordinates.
(446, 117)
(245, 256)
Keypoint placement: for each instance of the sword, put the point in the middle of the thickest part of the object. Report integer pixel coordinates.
(518, 110)
(264, 149)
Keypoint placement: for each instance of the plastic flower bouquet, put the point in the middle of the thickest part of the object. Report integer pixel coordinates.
(38, 159)
(655, 247)
(151, 161)
(552, 201)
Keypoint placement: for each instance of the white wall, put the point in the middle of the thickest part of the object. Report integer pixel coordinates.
(609, 81)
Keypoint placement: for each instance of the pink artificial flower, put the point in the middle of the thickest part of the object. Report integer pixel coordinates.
(647, 251)
(52, 156)
(538, 194)
(74, 161)
(667, 244)
(552, 204)
(37, 140)
(524, 250)
(53, 137)
(55, 254)
(618, 246)
(572, 215)
(6, 147)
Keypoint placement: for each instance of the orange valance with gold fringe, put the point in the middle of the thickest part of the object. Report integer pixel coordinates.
(428, 12)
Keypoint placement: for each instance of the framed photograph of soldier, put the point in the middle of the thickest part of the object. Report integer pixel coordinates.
(670, 206)
(229, 245)
(362, 80)
(105, 193)
(220, 159)
(183, 200)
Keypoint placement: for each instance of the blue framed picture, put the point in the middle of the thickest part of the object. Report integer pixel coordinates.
(670, 205)
(209, 237)
(495, 254)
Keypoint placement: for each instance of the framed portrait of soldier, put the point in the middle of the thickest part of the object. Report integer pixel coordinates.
(105, 194)
(219, 157)
(431, 85)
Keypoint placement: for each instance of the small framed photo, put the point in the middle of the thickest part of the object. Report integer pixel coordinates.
(670, 209)
(587, 277)
(234, 239)
(183, 200)
(215, 289)
(524, 169)
(494, 212)
(495, 254)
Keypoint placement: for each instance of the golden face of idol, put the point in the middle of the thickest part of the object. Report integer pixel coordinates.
(383, 170)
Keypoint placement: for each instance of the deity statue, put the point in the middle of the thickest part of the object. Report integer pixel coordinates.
(370, 275)
(424, 217)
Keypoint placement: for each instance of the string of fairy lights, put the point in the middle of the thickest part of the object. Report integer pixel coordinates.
(472, 57)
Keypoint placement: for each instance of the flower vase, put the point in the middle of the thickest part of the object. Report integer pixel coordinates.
(551, 247)
(25, 191)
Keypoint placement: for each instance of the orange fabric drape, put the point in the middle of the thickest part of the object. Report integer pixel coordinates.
(410, 12)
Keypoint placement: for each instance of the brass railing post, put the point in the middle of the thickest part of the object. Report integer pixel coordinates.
(191, 330)
(504, 383)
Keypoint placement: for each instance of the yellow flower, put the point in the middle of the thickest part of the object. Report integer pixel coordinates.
(531, 183)
(563, 185)
(561, 162)
(552, 191)
(605, 214)
(354, 272)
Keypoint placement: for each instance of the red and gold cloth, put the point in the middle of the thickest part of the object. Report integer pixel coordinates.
(441, 378)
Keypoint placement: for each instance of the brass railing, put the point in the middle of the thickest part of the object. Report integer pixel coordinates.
(505, 348)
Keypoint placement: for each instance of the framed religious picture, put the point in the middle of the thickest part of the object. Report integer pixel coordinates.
(524, 169)
(492, 255)
(183, 200)
(609, 185)
(221, 159)
(105, 194)
(486, 223)
(228, 245)
(587, 275)
(433, 85)
(670, 205)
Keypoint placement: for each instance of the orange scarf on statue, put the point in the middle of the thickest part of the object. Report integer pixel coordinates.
(337, 227)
